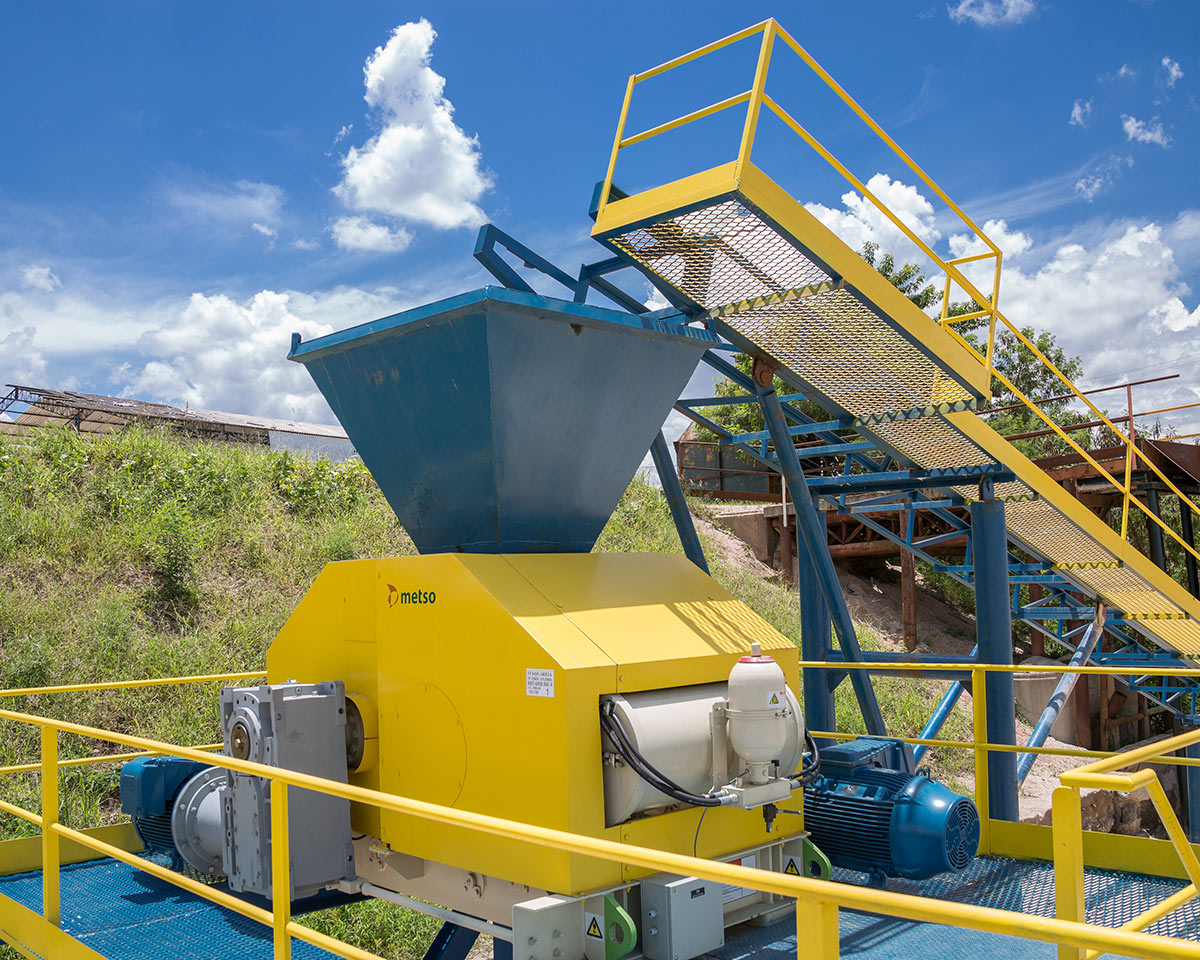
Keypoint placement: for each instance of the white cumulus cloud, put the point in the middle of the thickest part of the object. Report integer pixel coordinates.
(20, 359)
(1080, 113)
(420, 167)
(862, 222)
(991, 13)
(219, 353)
(1142, 132)
(363, 235)
(40, 278)
(1172, 72)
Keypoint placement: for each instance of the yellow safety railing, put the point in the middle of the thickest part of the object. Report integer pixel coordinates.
(987, 305)
(1067, 817)
(817, 902)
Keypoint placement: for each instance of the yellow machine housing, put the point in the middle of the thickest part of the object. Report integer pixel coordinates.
(446, 647)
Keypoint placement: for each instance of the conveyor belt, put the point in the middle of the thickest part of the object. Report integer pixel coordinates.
(777, 283)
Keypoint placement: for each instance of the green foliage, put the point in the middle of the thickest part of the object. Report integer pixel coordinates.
(93, 527)
(306, 486)
(173, 560)
(908, 279)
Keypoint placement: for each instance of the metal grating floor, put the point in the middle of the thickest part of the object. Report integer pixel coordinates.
(125, 914)
(725, 252)
(1112, 898)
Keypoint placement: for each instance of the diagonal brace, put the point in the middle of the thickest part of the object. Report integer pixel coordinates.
(814, 536)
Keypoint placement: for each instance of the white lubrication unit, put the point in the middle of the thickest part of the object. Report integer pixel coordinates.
(739, 743)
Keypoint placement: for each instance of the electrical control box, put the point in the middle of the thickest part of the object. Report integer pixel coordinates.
(682, 917)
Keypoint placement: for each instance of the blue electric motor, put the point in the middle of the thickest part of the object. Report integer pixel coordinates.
(149, 786)
(871, 811)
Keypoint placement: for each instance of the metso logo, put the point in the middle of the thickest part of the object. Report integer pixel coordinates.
(409, 596)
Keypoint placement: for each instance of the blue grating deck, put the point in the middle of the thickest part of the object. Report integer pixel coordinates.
(125, 914)
(1112, 898)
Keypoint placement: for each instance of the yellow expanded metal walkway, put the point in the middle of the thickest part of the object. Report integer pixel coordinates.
(771, 278)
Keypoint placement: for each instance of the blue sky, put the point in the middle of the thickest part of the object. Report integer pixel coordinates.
(182, 185)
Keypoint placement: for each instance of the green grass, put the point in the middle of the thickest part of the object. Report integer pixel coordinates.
(138, 555)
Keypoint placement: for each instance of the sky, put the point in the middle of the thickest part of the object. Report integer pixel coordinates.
(183, 185)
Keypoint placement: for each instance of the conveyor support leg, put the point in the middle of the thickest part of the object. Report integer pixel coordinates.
(993, 624)
(815, 539)
(673, 491)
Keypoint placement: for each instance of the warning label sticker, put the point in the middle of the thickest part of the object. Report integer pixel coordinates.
(594, 928)
(539, 683)
(775, 698)
(729, 892)
(791, 867)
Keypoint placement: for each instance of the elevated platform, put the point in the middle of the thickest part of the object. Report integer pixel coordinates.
(1112, 898)
(121, 913)
(768, 276)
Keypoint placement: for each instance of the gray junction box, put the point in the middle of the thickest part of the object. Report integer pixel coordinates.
(682, 917)
(299, 727)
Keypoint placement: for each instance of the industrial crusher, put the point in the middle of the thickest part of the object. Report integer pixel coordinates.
(510, 671)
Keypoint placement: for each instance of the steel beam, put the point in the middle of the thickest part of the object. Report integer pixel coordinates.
(993, 625)
(1158, 551)
(1058, 698)
(1185, 521)
(673, 490)
(813, 535)
(816, 642)
(941, 714)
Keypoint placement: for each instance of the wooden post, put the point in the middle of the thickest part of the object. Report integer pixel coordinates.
(1083, 712)
(1037, 642)
(908, 598)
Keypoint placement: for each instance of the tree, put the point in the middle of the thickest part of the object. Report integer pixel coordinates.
(907, 279)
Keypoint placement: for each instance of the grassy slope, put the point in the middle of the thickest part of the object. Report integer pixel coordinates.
(139, 556)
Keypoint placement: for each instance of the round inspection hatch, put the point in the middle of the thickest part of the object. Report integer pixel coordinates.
(432, 764)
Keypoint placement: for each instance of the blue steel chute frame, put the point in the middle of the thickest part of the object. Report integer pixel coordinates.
(880, 480)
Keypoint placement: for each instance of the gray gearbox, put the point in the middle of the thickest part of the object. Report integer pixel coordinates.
(224, 818)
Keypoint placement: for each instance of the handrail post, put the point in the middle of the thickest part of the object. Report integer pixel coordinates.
(1067, 836)
(816, 930)
(756, 96)
(51, 908)
(979, 728)
(281, 873)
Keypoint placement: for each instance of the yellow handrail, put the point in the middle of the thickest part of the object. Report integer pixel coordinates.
(1067, 826)
(817, 902)
(988, 306)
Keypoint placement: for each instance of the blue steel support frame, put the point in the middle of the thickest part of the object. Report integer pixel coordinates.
(940, 714)
(812, 532)
(1066, 683)
(673, 490)
(452, 942)
(993, 625)
(1192, 751)
(816, 643)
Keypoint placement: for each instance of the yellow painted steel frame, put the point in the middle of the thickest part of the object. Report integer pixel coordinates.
(458, 723)
(740, 176)
(1068, 834)
(816, 902)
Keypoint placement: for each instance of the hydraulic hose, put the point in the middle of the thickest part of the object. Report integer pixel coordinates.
(808, 772)
(644, 769)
